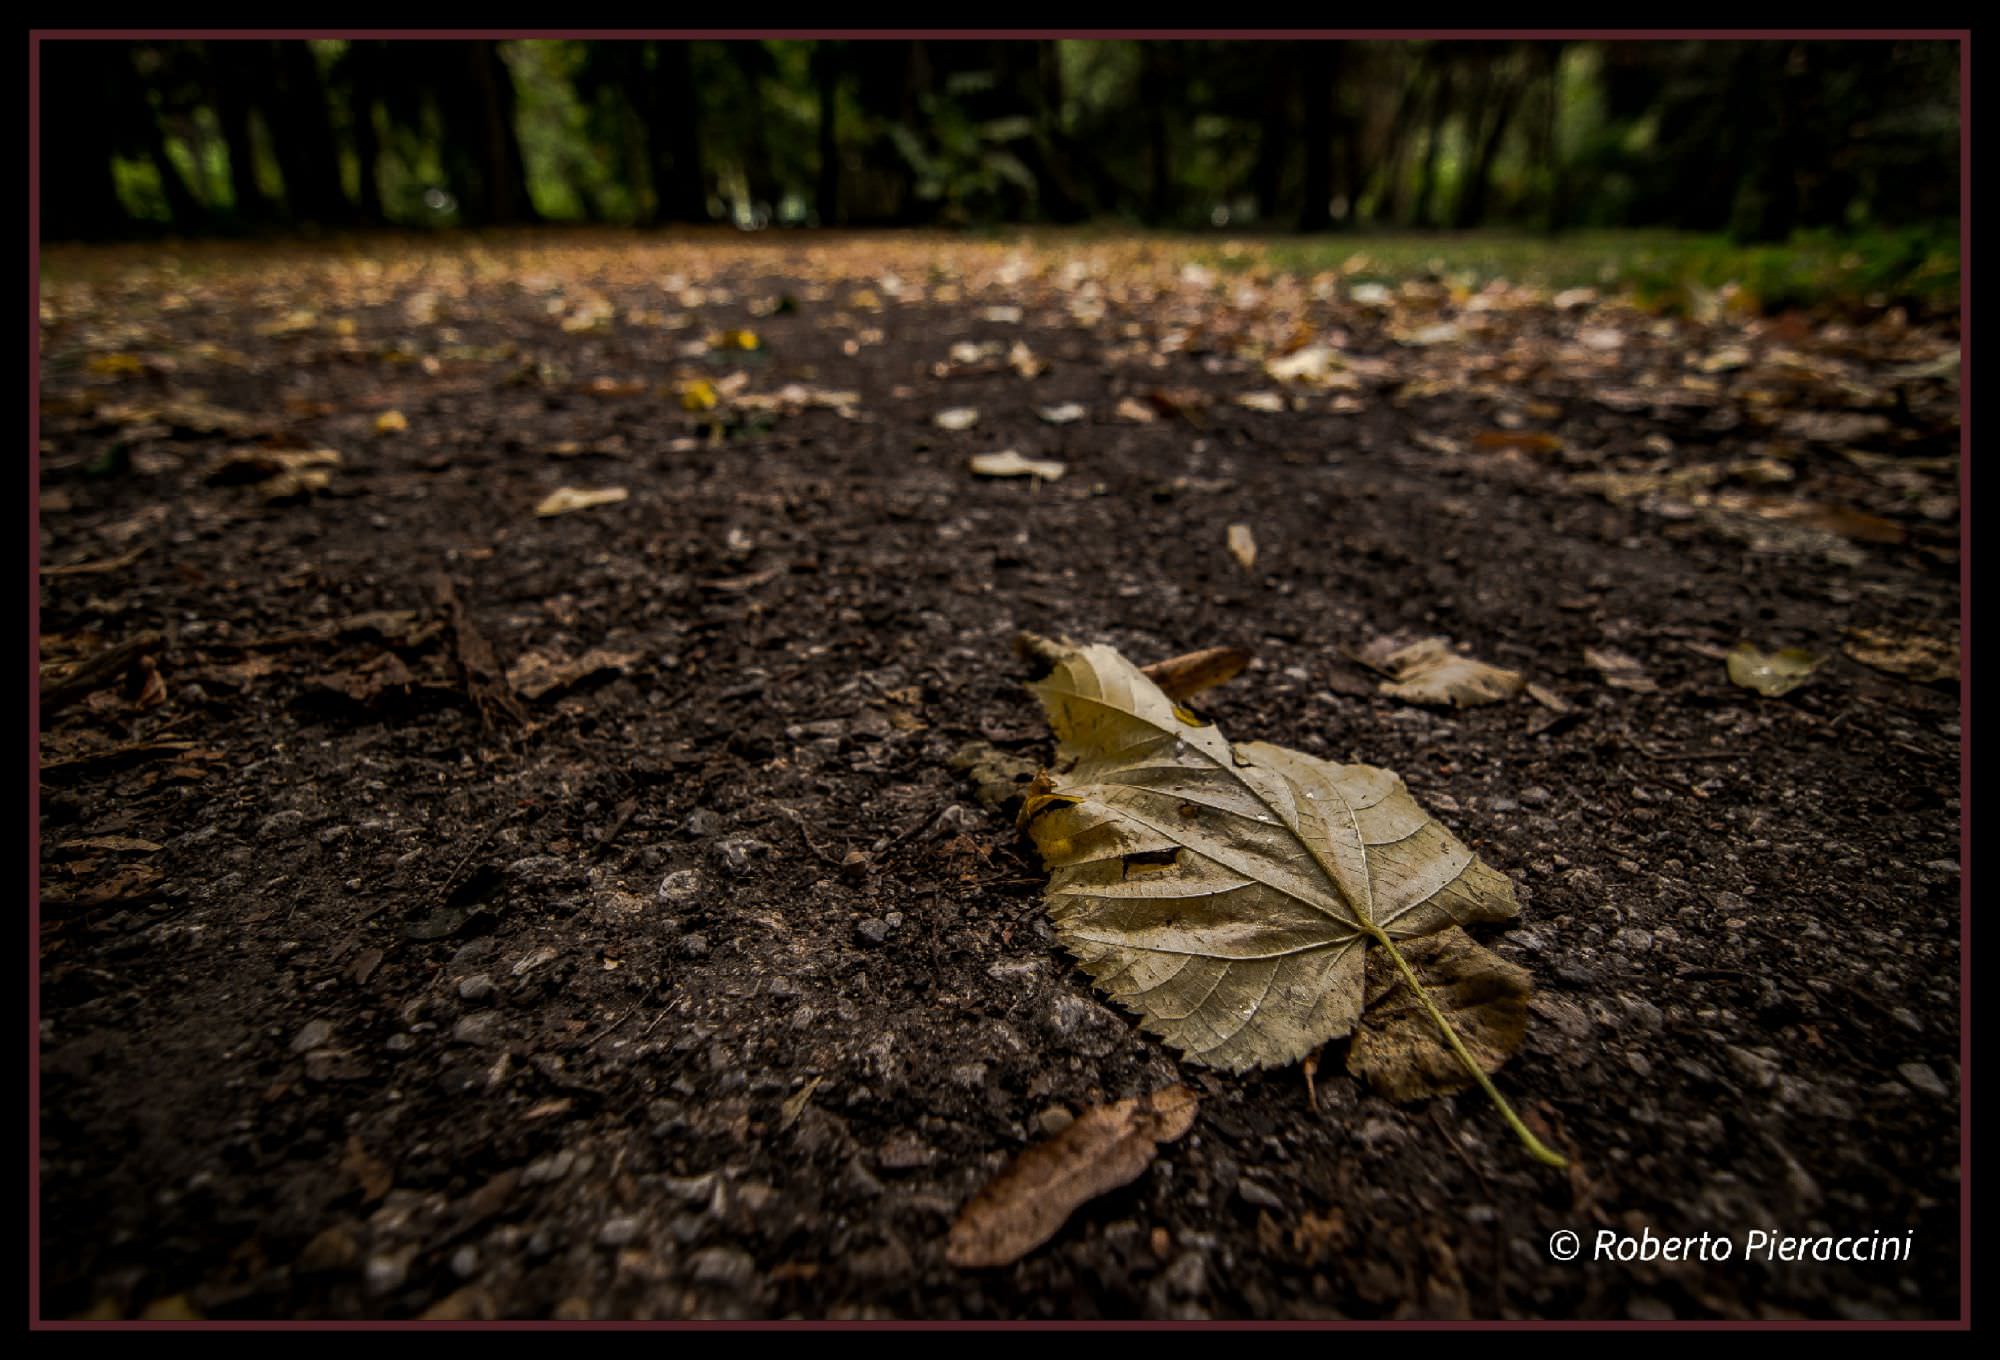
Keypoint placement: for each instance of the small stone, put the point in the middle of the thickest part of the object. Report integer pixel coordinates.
(1258, 1194)
(389, 1270)
(477, 1028)
(702, 823)
(1535, 795)
(618, 1232)
(315, 1034)
(465, 1262)
(281, 824)
(400, 1043)
(546, 1169)
(680, 887)
(1919, 1077)
(1188, 1274)
(737, 852)
(332, 1249)
(725, 1267)
(873, 931)
(1054, 1120)
(478, 987)
(694, 947)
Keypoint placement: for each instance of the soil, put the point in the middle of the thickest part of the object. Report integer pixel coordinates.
(700, 984)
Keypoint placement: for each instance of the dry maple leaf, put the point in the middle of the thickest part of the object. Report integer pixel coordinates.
(1429, 672)
(1228, 893)
(1105, 1147)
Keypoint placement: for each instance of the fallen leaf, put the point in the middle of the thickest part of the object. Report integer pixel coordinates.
(1243, 546)
(391, 422)
(116, 845)
(567, 498)
(1067, 413)
(1228, 893)
(1028, 1202)
(536, 675)
(1272, 402)
(1726, 359)
(1135, 411)
(1181, 676)
(1770, 673)
(1619, 670)
(956, 418)
(1928, 659)
(698, 395)
(1527, 441)
(1397, 1049)
(371, 1172)
(1429, 672)
(1010, 463)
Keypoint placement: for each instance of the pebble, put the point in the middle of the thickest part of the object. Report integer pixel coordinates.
(702, 823)
(465, 1262)
(1535, 795)
(1919, 1076)
(1054, 1120)
(618, 1232)
(680, 887)
(728, 1267)
(736, 852)
(477, 1028)
(874, 931)
(1188, 1274)
(1258, 1194)
(694, 947)
(478, 987)
(551, 1168)
(316, 1034)
(286, 823)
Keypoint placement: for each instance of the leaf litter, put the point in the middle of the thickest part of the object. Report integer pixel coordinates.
(1229, 893)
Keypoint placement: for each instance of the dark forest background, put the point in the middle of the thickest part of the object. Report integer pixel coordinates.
(1756, 139)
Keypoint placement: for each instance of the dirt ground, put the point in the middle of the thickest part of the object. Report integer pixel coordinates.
(689, 979)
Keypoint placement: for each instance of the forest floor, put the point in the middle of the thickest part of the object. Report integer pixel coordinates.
(457, 911)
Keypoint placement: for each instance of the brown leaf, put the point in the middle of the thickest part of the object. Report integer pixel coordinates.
(536, 675)
(370, 1171)
(1527, 441)
(1397, 1047)
(1429, 672)
(1922, 658)
(1107, 1146)
(1192, 672)
(1243, 546)
(1619, 670)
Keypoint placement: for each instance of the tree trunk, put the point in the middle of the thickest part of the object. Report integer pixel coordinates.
(1420, 211)
(1157, 93)
(678, 182)
(79, 197)
(1472, 194)
(364, 90)
(826, 75)
(233, 104)
(503, 175)
(302, 135)
(1318, 72)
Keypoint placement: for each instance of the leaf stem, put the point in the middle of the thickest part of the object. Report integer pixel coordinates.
(1536, 1148)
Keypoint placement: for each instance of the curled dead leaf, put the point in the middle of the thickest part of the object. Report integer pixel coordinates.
(1429, 672)
(1243, 546)
(1191, 673)
(1770, 673)
(1033, 1196)
(1010, 463)
(567, 498)
(1619, 670)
